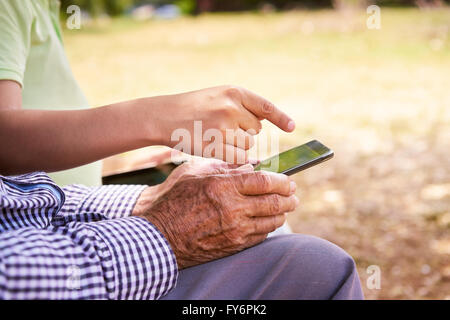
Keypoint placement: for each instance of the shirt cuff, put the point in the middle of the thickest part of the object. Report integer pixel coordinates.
(136, 258)
(112, 201)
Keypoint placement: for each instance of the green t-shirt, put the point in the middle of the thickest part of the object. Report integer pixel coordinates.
(32, 53)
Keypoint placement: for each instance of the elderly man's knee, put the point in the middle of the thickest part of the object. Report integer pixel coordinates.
(319, 267)
(325, 250)
(301, 245)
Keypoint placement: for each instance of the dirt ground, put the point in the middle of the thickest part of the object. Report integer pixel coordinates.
(389, 210)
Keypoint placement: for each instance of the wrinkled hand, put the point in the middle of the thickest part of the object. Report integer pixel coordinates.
(194, 167)
(199, 167)
(207, 217)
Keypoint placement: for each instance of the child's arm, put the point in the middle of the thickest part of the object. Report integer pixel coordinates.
(50, 141)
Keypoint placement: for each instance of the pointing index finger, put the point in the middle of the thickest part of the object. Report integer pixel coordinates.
(264, 109)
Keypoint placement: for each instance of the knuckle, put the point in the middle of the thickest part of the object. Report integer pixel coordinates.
(211, 185)
(275, 204)
(228, 109)
(236, 238)
(267, 107)
(277, 221)
(240, 240)
(233, 92)
(247, 227)
(264, 180)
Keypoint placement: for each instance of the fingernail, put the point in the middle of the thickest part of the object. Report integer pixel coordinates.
(292, 187)
(291, 126)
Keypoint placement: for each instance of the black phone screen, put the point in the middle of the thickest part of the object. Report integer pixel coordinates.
(297, 159)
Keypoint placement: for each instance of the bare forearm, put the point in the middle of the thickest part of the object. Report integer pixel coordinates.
(57, 140)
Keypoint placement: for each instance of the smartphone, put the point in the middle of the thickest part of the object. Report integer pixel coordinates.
(297, 159)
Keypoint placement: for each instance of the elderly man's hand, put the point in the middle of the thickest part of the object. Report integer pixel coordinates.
(207, 217)
(194, 167)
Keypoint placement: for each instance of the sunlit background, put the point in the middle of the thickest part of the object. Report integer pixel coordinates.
(379, 97)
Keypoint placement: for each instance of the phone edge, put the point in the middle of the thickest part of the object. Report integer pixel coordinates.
(322, 158)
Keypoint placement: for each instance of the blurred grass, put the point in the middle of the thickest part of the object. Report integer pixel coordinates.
(379, 98)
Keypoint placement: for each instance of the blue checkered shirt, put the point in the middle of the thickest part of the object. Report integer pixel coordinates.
(78, 242)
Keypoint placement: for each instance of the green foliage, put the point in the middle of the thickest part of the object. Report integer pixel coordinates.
(96, 7)
(117, 7)
(186, 6)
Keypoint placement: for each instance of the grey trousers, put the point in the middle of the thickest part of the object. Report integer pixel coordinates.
(282, 267)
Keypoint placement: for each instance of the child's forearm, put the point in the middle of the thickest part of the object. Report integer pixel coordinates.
(57, 140)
